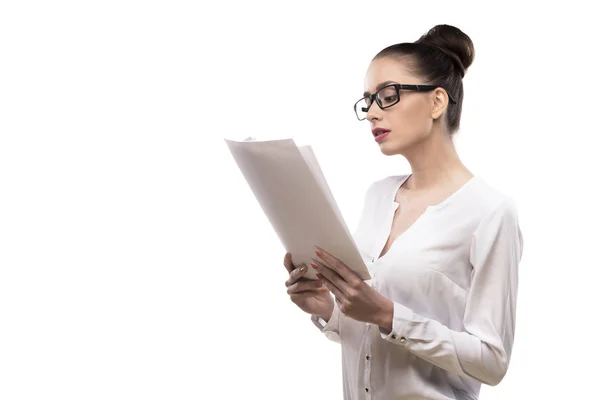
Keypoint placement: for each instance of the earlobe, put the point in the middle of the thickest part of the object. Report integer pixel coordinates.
(437, 111)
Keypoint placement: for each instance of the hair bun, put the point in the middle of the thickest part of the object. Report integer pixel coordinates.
(452, 41)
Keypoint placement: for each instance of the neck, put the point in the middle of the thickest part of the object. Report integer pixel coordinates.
(434, 162)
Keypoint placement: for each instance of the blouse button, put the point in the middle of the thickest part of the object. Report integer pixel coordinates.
(402, 339)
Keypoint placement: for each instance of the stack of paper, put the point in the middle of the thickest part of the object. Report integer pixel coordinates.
(290, 187)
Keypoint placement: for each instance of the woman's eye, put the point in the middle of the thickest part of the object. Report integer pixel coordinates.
(389, 99)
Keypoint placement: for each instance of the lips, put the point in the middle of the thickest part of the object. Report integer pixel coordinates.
(379, 131)
(381, 136)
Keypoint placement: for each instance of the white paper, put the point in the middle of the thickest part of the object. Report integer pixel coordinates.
(290, 187)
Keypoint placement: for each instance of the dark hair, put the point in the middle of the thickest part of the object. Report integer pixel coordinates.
(442, 57)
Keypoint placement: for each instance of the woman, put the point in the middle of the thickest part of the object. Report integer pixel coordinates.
(437, 318)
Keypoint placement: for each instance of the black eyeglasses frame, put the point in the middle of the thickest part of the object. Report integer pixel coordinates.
(398, 87)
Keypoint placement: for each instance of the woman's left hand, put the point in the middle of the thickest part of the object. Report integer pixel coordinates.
(354, 297)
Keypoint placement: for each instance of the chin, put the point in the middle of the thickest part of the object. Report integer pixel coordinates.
(391, 148)
(403, 144)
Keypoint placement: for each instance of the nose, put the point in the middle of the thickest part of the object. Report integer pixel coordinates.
(374, 112)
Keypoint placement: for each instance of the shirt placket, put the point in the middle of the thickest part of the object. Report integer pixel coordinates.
(368, 353)
(368, 364)
(376, 248)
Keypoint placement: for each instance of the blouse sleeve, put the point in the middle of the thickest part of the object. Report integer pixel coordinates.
(482, 351)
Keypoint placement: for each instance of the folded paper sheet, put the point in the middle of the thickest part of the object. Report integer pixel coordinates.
(290, 187)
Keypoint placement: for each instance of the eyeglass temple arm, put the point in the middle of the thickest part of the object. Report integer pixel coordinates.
(421, 88)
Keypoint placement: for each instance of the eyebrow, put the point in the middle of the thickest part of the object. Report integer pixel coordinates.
(382, 84)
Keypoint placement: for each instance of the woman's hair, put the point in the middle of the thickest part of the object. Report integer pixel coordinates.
(442, 57)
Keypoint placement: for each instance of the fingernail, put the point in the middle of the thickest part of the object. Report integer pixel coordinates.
(318, 251)
(303, 268)
(314, 265)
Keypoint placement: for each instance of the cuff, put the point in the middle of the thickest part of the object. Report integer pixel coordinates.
(329, 328)
(468, 349)
(401, 322)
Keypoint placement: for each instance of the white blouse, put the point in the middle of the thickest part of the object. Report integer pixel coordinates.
(453, 279)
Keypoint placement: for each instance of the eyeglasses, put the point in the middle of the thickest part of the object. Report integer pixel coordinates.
(389, 95)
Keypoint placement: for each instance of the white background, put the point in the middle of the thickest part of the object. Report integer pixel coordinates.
(135, 262)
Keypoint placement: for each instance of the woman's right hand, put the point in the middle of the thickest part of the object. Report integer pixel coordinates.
(309, 295)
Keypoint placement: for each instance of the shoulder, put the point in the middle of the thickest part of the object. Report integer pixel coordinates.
(497, 230)
(493, 206)
(488, 199)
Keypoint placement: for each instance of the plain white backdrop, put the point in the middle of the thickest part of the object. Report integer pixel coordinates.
(135, 262)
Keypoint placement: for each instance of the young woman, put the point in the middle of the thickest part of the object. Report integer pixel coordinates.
(437, 318)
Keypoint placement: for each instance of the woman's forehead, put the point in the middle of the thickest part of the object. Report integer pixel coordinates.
(388, 69)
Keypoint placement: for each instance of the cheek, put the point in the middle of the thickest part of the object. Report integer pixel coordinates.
(411, 120)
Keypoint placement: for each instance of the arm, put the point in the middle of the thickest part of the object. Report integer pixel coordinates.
(483, 350)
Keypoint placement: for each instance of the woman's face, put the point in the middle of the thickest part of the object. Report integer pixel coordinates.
(410, 121)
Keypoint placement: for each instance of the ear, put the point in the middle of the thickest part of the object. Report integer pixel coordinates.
(440, 103)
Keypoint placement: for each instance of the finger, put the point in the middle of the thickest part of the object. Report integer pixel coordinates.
(335, 264)
(305, 285)
(340, 304)
(297, 297)
(332, 287)
(329, 260)
(331, 275)
(295, 275)
(287, 262)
